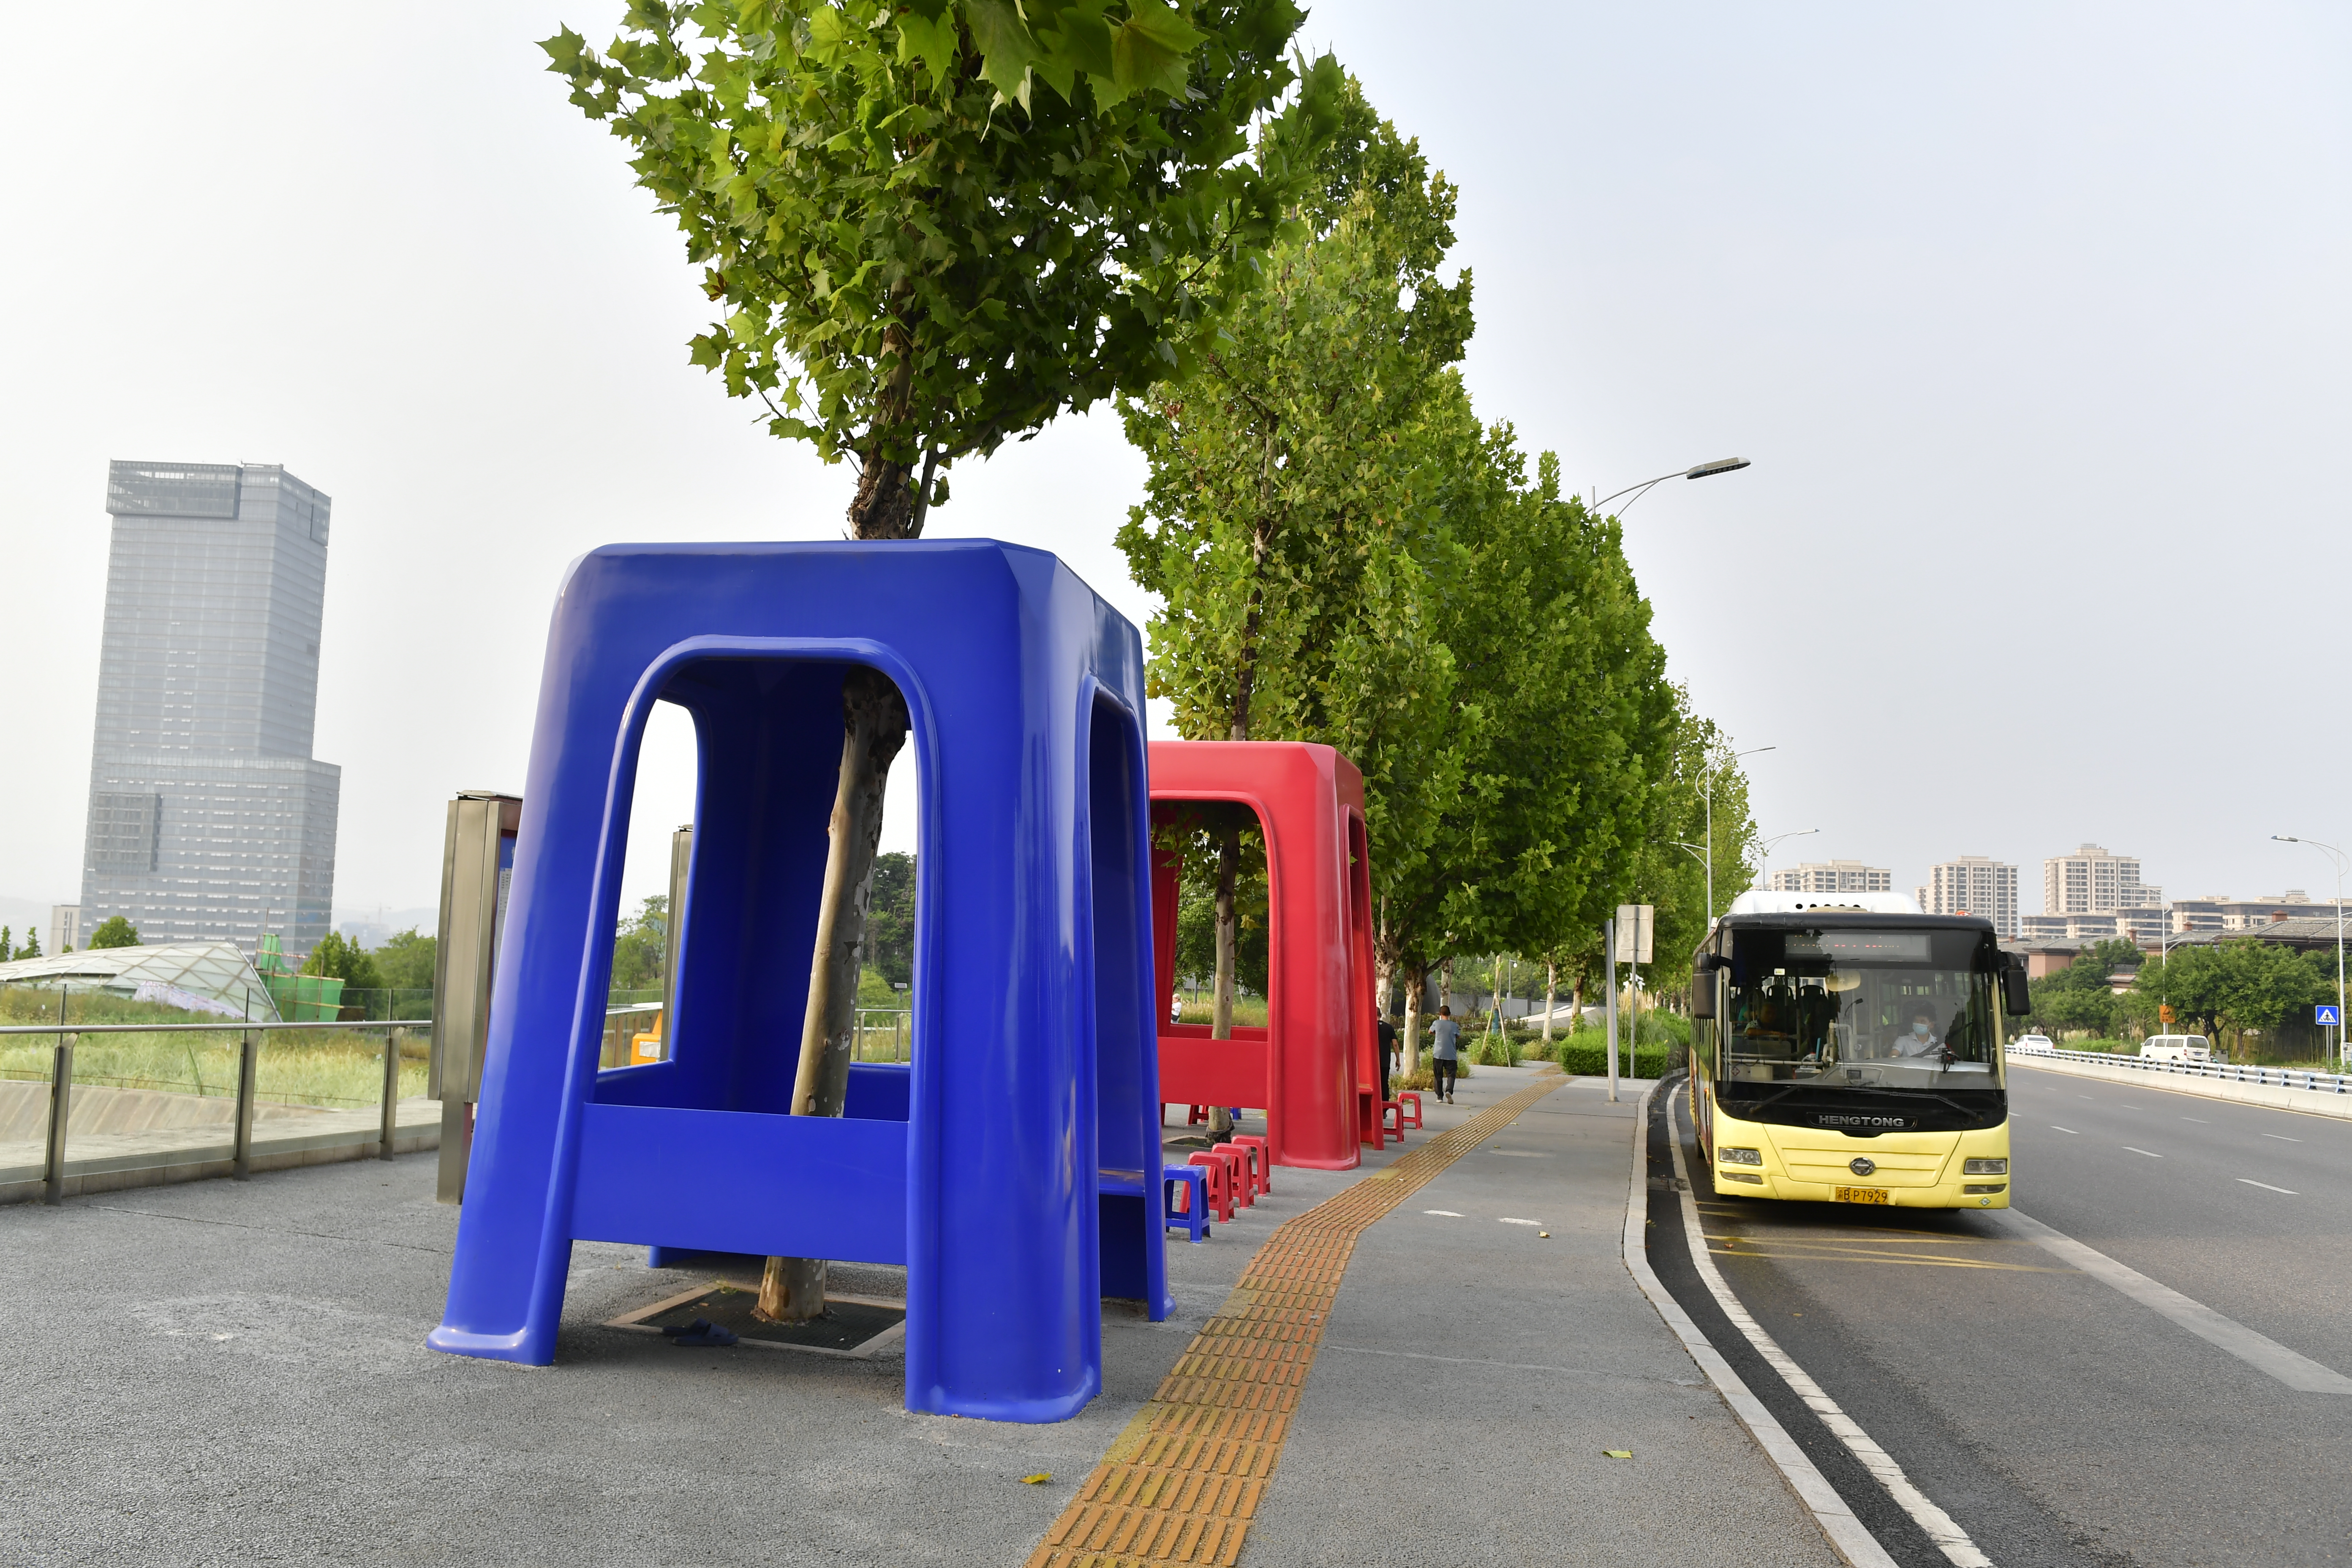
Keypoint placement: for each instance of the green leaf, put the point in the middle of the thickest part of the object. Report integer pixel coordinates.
(1007, 49)
(1149, 49)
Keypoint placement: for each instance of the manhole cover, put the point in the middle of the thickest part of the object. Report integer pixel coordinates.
(852, 1325)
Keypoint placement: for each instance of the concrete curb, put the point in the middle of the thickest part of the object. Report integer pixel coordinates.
(2276, 1096)
(1846, 1533)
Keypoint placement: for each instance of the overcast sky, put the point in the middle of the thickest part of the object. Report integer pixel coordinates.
(2032, 320)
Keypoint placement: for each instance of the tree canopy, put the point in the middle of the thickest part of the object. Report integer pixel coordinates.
(345, 961)
(406, 961)
(933, 224)
(114, 931)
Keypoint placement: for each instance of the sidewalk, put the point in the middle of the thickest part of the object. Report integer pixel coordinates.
(222, 1371)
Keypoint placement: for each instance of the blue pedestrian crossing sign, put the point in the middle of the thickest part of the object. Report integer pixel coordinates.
(2326, 1014)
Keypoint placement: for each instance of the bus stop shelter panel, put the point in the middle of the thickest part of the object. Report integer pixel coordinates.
(1312, 1068)
(1002, 1167)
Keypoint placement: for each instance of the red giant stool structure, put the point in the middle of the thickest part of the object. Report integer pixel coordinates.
(1314, 1068)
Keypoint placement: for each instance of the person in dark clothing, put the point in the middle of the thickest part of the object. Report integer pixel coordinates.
(1388, 1058)
(1446, 1054)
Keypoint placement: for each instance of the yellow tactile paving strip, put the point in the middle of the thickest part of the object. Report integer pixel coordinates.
(1182, 1482)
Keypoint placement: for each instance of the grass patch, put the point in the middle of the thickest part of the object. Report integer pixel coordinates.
(337, 1070)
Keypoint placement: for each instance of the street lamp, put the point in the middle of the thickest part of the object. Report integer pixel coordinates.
(1696, 471)
(2339, 856)
(1765, 872)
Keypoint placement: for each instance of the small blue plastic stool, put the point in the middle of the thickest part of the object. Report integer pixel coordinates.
(1195, 1217)
(981, 1167)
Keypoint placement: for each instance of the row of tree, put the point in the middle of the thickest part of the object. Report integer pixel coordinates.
(1347, 554)
(2222, 990)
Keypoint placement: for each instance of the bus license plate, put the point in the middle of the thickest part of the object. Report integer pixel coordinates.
(1862, 1195)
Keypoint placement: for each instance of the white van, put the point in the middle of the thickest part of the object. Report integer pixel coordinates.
(2176, 1048)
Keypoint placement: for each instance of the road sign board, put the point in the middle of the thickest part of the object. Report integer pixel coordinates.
(2326, 1014)
(1634, 930)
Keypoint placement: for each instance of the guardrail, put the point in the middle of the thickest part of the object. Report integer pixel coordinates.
(53, 1171)
(2221, 1072)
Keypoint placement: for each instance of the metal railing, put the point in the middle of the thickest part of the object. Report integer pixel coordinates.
(901, 1021)
(248, 1064)
(2223, 1072)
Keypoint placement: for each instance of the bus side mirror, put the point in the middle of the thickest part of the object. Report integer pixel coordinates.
(1702, 992)
(2015, 995)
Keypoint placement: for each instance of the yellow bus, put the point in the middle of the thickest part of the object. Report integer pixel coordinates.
(1848, 1049)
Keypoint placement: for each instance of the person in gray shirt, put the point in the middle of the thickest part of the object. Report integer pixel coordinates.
(1445, 1053)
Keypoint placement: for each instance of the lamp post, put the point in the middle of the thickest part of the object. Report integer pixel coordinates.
(1765, 871)
(1695, 471)
(2339, 856)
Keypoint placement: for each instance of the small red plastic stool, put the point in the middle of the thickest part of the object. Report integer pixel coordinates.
(1392, 1123)
(1220, 1182)
(1237, 1167)
(1405, 1095)
(1260, 1159)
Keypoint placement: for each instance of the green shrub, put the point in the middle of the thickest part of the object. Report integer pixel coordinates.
(1587, 1057)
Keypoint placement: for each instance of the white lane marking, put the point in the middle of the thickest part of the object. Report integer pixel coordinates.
(1940, 1526)
(2151, 1154)
(1845, 1533)
(2198, 1119)
(2068, 1130)
(2268, 1188)
(1507, 1220)
(2281, 1137)
(1442, 1214)
(2257, 1350)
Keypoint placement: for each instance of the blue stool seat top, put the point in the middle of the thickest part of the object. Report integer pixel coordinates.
(1034, 1062)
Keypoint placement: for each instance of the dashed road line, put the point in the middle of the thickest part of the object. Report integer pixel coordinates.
(2149, 1152)
(2268, 1188)
(2068, 1130)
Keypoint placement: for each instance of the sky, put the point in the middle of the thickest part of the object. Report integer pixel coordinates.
(2031, 320)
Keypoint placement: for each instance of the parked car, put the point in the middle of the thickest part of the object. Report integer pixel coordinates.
(2034, 1045)
(2176, 1048)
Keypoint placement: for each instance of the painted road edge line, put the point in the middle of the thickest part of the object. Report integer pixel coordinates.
(1847, 1535)
(1940, 1527)
(2256, 1349)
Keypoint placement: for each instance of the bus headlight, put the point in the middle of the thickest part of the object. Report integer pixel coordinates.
(1985, 1168)
(1738, 1157)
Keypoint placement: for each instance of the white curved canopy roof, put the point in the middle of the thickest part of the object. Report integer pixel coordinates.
(202, 976)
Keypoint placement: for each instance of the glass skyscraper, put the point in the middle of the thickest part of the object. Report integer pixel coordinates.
(209, 817)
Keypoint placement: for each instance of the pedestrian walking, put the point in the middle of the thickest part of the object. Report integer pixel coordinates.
(1388, 1058)
(1445, 1053)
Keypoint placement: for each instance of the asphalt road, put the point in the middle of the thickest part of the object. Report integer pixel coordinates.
(2056, 1419)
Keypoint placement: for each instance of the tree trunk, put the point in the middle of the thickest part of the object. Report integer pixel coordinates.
(873, 726)
(1221, 1024)
(1416, 980)
(1551, 999)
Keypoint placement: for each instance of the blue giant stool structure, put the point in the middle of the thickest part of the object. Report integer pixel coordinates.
(1004, 1168)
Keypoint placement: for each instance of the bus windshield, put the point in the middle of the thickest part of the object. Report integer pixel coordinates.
(1864, 1008)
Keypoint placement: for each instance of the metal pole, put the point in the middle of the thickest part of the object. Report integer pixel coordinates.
(1710, 851)
(1608, 952)
(248, 1057)
(391, 1124)
(53, 1170)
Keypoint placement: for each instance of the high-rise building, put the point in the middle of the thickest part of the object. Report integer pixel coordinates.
(209, 817)
(2090, 881)
(1974, 885)
(1834, 876)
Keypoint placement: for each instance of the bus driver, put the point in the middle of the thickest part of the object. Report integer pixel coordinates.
(1921, 1041)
